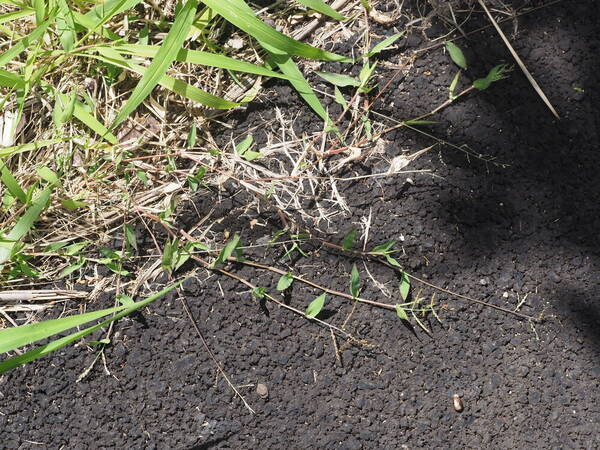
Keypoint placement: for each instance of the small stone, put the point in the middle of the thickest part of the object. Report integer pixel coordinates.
(457, 402)
(262, 390)
(505, 295)
(483, 282)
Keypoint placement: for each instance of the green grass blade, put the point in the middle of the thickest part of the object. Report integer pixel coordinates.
(8, 17)
(25, 223)
(164, 57)
(20, 46)
(186, 90)
(58, 343)
(40, 10)
(297, 80)
(7, 151)
(10, 80)
(239, 14)
(65, 26)
(92, 123)
(89, 24)
(322, 8)
(201, 58)
(13, 338)
(288, 67)
(11, 184)
(104, 11)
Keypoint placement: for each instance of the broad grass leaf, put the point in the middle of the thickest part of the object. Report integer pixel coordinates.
(456, 54)
(239, 14)
(186, 90)
(11, 80)
(65, 26)
(164, 57)
(200, 58)
(17, 48)
(315, 307)
(58, 343)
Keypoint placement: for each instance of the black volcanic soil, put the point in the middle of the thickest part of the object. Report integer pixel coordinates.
(524, 226)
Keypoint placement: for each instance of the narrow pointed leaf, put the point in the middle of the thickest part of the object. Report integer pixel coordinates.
(354, 282)
(164, 57)
(404, 286)
(56, 344)
(285, 282)
(323, 8)
(239, 14)
(315, 307)
(456, 54)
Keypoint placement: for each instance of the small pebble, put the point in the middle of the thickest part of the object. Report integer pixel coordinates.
(458, 404)
(483, 282)
(262, 390)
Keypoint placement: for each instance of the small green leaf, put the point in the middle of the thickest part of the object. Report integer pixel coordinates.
(401, 313)
(249, 155)
(46, 174)
(392, 261)
(323, 8)
(383, 248)
(72, 268)
(72, 205)
(25, 223)
(404, 286)
(383, 45)
(191, 139)
(354, 282)
(285, 282)
(159, 65)
(130, 236)
(227, 251)
(456, 54)
(452, 88)
(339, 98)
(243, 146)
(75, 249)
(338, 79)
(100, 342)
(169, 255)
(125, 300)
(349, 240)
(315, 307)
(259, 292)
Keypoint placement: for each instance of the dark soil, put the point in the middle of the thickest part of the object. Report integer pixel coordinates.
(525, 224)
